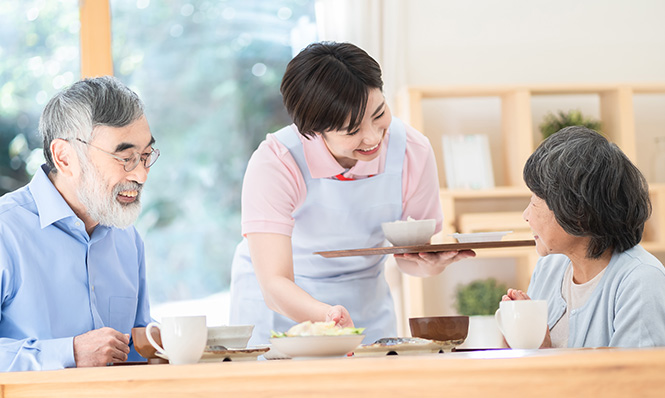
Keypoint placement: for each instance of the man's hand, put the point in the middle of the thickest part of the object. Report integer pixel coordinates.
(100, 347)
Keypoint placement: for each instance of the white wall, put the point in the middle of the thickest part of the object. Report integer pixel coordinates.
(534, 41)
(492, 42)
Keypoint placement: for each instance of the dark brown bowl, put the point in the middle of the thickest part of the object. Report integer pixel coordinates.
(440, 328)
(141, 343)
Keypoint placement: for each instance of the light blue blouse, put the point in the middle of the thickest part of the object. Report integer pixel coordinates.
(627, 308)
(56, 282)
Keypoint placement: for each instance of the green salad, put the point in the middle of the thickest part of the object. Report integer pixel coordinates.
(309, 328)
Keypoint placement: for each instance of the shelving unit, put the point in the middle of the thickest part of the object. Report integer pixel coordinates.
(501, 207)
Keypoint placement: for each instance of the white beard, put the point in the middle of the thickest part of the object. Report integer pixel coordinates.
(107, 210)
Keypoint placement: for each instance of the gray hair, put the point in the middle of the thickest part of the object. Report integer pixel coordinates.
(76, 111)
(592, 188)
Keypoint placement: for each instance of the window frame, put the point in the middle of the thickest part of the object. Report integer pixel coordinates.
(95, 38)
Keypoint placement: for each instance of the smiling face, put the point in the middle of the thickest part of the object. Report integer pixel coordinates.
(549, 235)
(111, 195)
(364, 143)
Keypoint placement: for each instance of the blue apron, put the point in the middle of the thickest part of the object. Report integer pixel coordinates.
(335, 215)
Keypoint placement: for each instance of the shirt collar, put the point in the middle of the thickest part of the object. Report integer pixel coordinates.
(51, 206)
(322, 164)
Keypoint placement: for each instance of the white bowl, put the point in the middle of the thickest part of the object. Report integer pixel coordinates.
(409, 233)
(481, 236)
(235, 336)
(316, 346)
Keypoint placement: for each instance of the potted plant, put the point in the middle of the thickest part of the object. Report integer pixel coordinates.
(555, 122)
(479, 300)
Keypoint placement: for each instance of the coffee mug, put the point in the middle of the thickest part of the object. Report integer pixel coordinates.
(184, 338)
(522, 322)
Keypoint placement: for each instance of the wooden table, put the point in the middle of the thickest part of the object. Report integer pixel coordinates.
(505, 373)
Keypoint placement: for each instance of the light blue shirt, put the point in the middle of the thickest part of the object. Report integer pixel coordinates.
(626, 309)
(56, 282)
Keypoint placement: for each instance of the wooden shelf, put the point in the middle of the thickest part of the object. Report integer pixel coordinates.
(465, 210)
(499, 192)
(616, 113)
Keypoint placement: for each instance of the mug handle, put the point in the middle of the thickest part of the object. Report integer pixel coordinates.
(497, 318)
(152, 341)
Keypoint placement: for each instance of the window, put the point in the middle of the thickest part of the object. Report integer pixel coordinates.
(209, 74)
(39, 55)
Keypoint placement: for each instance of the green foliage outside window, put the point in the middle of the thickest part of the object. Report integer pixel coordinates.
(209, 74)
(39, 55)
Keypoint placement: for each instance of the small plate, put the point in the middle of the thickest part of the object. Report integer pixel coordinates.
(317, 346)
(405, 346)
(212, 354)
(481, 236)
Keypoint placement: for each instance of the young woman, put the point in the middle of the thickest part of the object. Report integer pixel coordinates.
(327, 182)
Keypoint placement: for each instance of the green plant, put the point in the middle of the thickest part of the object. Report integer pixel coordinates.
(480, 297)
(555, 122)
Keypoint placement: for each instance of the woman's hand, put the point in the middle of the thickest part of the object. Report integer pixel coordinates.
(429, 264)
(514, 294)
(340, 315)
(273, 263)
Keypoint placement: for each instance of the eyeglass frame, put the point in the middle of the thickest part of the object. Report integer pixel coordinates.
(125, 161)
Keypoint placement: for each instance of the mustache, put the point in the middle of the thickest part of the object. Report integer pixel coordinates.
(127, 186)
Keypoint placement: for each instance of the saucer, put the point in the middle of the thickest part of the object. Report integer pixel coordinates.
(222, 354)
(405, 346)
(212, 354)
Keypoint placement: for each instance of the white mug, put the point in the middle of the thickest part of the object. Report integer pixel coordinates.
(523, 322)
(184, 338)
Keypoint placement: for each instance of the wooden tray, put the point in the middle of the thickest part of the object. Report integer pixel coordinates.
(444, 247)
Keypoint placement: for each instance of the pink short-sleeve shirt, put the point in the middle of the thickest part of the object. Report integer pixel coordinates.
(273, 187)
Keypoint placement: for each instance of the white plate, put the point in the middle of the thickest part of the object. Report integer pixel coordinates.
(272, 352)
(405, 346)
(481, 236)
(212, 354)
(317, 346)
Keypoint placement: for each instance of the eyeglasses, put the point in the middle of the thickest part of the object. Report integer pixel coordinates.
(131, 162)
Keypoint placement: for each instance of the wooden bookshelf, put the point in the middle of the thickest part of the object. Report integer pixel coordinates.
(500, 208)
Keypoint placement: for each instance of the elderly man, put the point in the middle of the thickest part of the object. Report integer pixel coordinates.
(72, 266)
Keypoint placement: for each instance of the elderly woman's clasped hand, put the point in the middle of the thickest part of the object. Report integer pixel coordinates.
(514, 294)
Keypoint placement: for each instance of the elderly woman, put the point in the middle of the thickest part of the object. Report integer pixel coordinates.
(587, 214)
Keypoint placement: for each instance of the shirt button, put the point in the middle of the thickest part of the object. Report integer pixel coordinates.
(78, 224)
(92, 288)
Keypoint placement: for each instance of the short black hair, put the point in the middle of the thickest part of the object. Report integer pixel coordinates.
(326, 87)
(592, 188)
